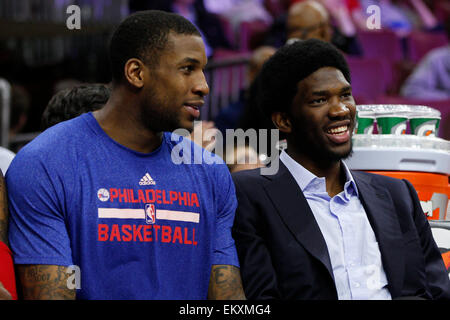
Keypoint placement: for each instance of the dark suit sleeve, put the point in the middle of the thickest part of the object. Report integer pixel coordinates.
(258, 275)
(437, 277)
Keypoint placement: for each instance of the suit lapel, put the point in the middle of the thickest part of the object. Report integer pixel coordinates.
(295, 212)
(383, 218)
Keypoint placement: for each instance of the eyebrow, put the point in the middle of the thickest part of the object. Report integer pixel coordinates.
(326, 92)
(189, 60)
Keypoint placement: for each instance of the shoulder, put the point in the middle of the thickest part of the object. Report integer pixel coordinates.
(376, 178)
(439, 52)
(249, 176)
(60, 135)
(398, 188)
(249, 181)
(436, 57)
(379, 179)
(51, 147)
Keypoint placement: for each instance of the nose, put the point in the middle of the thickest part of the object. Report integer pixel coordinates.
(338, 109)
(201, 87)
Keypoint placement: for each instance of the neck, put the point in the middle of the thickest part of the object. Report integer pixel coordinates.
(332, 171)
(119, 118)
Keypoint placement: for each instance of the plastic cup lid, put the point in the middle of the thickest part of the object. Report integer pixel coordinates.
(409, 111)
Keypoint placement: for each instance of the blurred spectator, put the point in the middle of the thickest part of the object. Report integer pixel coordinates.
(208, 24)
(240, 158)
(18, 118)
(203, 134)
(20, 105)
(229, 117)
(427, 17)
(70, 103)
(244, 114)
(403, 16)
(347, 14)
(238, 11)
(431, 78)
(310, 19)
(65, 84)
(307, 20)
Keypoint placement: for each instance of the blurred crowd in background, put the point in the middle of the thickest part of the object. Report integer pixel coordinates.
(405, 60)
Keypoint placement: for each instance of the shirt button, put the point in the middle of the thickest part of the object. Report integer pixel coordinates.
(356, 285)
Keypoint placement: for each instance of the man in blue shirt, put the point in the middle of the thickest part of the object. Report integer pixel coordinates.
(315, 229)
(100, 209)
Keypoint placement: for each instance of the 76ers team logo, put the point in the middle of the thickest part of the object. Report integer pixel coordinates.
(103, 194)
(150, 213)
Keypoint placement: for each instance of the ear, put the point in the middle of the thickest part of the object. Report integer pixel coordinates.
(282, 122)
(134, 72)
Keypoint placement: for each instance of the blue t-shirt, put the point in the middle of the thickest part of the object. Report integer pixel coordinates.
(136, 226)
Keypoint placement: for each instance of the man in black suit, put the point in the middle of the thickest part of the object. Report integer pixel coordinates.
(315, 229)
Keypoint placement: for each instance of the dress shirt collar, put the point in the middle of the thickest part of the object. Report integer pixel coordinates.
(306, 179)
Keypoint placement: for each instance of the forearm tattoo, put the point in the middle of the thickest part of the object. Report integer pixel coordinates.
(225, 283)
(45, 282)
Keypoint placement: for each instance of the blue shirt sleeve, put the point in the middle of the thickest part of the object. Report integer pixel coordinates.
(37, 225)
(224, 246)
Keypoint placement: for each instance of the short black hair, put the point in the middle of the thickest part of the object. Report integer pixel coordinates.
(143, 35)
(70, 103)
(291, 64)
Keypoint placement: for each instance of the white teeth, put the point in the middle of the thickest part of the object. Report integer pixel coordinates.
(338, 130)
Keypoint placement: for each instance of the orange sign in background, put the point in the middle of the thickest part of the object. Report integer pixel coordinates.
(433, 191)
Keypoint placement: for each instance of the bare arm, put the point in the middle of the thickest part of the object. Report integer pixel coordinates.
(45, 282)
(4, 294)
(3, 211)
(225, 283)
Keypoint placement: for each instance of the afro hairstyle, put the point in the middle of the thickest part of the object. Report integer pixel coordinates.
(291, 64)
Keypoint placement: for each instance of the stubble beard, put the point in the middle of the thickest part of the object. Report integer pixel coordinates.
(156, 116)
(317, 150)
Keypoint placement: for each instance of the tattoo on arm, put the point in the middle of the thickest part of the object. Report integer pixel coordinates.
(225, 283)
(45, 282)
(3, 211)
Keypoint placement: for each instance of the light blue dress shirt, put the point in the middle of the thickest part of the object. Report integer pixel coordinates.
(353, 249)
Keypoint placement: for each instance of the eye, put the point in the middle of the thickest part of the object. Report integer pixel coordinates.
(347, 94)
(187, 69)
(318, 101)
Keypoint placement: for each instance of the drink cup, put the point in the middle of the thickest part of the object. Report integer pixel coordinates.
(392, 124)
(365, 124)
(425, 126)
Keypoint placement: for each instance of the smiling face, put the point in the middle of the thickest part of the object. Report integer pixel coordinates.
(322, 117)
(174, 89)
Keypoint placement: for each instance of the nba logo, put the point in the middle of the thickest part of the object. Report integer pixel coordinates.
(150, 213)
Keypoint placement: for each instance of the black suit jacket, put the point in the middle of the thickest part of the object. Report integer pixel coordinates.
(283, 254)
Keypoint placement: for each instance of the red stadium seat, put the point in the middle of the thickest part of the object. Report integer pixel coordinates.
(385, 45)
(251, 34)
(420, 43)
(381, 44)
(368, 79)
